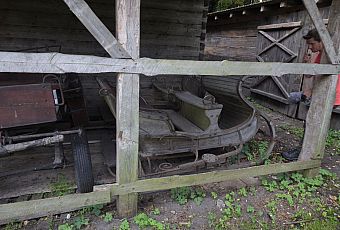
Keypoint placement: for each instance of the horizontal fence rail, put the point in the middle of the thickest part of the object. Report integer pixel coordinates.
(65, 63)
(105, 193)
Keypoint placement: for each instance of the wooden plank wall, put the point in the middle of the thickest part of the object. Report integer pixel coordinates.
(237, 40)
(169, 29)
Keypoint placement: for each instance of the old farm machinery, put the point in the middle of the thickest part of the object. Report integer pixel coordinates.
(182, 132)
(26, 110)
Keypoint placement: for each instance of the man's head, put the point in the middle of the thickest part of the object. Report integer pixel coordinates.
(313, 41)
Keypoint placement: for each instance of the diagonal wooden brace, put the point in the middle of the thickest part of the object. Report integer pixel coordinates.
(102, 34)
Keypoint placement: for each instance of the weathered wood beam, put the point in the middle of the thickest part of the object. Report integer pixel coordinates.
(50, 206)
(101, 33)
(164, 183)
(320, 111)
(104, 193)
(64, 63)
(128, 33)
(280, 25)
(319, 24)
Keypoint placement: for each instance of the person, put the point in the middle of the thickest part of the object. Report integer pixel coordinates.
(316, 47)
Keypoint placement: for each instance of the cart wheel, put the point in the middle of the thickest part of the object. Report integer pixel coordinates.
(82, 162)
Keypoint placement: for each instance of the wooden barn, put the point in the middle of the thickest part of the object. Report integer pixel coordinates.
(269, 31)
(168, 30)
(123, 86)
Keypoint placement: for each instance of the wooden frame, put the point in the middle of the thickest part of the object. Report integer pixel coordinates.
(65, 63)
(127, 128)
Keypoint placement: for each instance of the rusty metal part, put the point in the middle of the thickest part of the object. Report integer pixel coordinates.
(26, 105)
(5, 150)
(165, 166)
(209, 158)
(27, 137)
(106, 92)
(220, 159)
(57, 79)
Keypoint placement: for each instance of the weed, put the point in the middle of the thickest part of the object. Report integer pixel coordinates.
(243, 192)
(322, 224)
(287, 197)
(214, 195)
(96, 209)
(250, 209)
(156, 212)
(107, 217)
(255, 149)
(211, 219)
(270, 186)
(181, 195)
(184, 194)
(66, 226)
(80, 221)
(230, 197)
(144, 221)
(61, 187)
(51, 223)
(284, 184)
(333, 140)
(295, 131)
(238, 210)
(253, 191)
(197, 196)
(302, 216)
(262, 149)
(327, 174)
(124, 225)
(13, 226)
(272, 206)
(246, 151)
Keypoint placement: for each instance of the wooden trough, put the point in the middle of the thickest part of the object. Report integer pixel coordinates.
(125, 60)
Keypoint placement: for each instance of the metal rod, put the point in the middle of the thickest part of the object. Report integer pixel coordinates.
(25, 137)
(106, 92)
(7, 149)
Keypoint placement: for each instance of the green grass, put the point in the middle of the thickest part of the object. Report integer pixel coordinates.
(295, 131)
(184, 194)
(61, 187)
(333, 141)
(255, 149)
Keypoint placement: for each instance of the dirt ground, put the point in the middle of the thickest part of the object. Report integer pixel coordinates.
(273, 202)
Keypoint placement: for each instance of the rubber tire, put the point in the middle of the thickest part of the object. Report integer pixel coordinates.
(82, 163)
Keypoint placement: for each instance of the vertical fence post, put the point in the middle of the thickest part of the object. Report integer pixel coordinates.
(128, 34)
(319, 114)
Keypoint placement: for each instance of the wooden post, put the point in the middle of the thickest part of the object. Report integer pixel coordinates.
(128, 34)
(319, 114)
